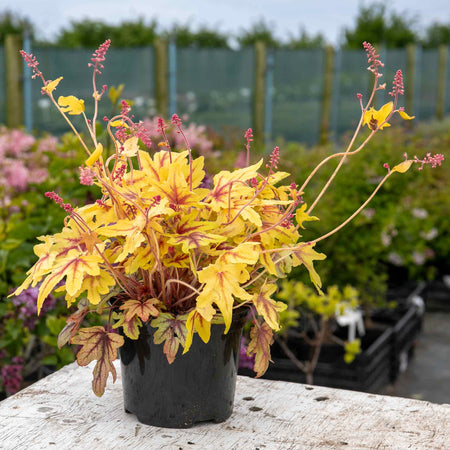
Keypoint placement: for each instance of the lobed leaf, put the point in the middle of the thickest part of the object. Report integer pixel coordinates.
(196, 322)
(261, 338)
(172, 331)
(268, 308)
(140, 308)
(97, 344)
(306, 255)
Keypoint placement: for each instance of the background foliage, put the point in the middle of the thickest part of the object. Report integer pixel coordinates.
(376, 23)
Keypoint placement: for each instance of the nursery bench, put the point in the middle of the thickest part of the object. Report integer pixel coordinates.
(61, 412)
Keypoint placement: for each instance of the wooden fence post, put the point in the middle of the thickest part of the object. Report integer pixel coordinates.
(441, 81)
(161, 77)
(410, 78)
(259, 99)
(14, 96)
(327, 95)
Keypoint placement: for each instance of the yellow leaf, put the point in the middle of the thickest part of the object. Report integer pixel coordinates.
(71, 105)
(402, 167)
(245, 253)
(268, 308)
(305, 254)
(74, 267)
(118, 123)
(405, 116)
(51, 86)
(132, 232)
(95, 155)
(97, 285)
(222, 284)
(196, 322)
(302, 216)
(130, 147)
(373, 118)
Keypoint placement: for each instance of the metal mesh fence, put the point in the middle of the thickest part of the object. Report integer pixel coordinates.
(394, 60)
(214, 87)
(134, 67)
(351, 77)
(427, 64)
(298, 86)
(2, 86)
(447, 86)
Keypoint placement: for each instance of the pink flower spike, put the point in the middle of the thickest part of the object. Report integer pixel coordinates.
(99, 55)
(86, 176)
(176, 120)
(31, 62)
(249, 137)
(397, 85)
(373, 58)
(274, 158)
(126, 108)
(432, 160)
(59, 201)
(359, 96)
(161, 125)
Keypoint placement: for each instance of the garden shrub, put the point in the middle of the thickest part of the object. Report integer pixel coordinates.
(403, 234)
(29, 167)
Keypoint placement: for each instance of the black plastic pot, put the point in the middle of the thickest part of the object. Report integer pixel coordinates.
(198, 386)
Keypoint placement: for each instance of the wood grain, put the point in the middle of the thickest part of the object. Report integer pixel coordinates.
(61, 412)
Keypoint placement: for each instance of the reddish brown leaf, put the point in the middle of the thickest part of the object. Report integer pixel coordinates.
(261, 338)
(267, 307)
(172, 331)
(97, 344)
(130, 327)
(73, 324)
(140, 308)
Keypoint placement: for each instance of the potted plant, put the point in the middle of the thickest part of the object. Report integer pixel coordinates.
(171, 262)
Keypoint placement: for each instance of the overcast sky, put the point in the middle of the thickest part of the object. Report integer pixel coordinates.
(287, 16)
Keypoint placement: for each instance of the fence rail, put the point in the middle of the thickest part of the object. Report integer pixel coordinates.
(303, 95)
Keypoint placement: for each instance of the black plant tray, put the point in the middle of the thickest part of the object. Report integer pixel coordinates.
(369, 372)
(406, 323)
(437, 296)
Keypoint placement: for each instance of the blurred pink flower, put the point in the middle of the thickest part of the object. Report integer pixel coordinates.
(47, 144)
(16, 175)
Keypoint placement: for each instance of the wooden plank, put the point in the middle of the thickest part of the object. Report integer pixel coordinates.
(61, 412)
(259, 99)
(162, 77)
(327, 95)
(410, 79)
(14, 96)
(441, 82)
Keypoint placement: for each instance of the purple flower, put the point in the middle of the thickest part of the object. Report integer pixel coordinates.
(26, 301)
(245, 362)
(12, 376)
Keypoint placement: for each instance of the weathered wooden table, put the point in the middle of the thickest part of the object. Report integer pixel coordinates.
(61, 412)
